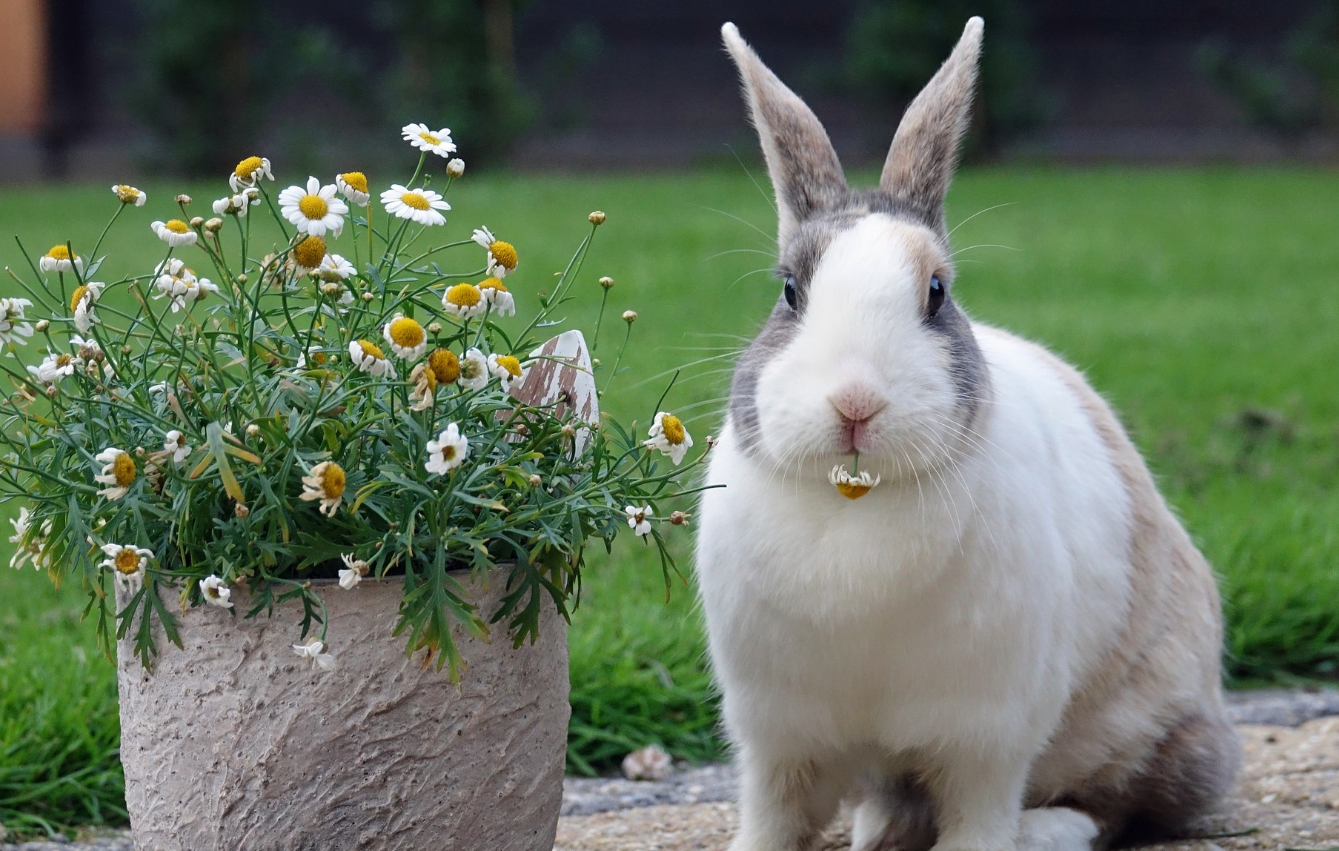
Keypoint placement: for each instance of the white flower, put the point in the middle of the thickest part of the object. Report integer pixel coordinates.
(175, 232)
(371, 359)
(58, 259)
(177, 282)
(54, 367)
(448, 451)
(325, 482)
(464, 300)
(336, 291)
(127, 564)
(315, 650)
(335, 268)
(13, 328)
(852, 487)
(483, 236)
(249, 172)
(81, 303)
(28, 545)
(87, 349)
(353, 571)
(405, 337)
(233, 205)
(314, 210)
(353, 186)
(215, 592)
(498, 297)
(318, 357)
(435, 142)
(501, 255)
(118, 472)
(669, 436)
(129, 194)
(639, 519)
(177, 445)
(474, 370)
(455, 167)
(507, 369)
(419, 205)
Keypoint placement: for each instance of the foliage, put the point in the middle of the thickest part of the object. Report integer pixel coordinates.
(895, 46)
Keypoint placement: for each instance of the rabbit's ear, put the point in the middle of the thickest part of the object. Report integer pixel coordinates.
(925, 150)
(805, 172)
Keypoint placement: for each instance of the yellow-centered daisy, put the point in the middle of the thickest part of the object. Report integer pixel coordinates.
(326, 483)
(405, 337)
(59, 259)
(852, 487)
(118, 472)
(669, 436)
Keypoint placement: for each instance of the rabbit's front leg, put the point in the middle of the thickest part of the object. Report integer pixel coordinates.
(784, 801)
(979, 793)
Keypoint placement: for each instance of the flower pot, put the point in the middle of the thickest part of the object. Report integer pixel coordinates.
(237, 743)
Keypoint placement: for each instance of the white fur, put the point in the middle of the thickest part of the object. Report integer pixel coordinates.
(943, 620)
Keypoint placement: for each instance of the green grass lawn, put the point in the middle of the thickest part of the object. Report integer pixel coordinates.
(1203, 303)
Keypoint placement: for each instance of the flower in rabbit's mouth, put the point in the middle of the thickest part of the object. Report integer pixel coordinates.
(406, 337)
(669, 436)
(118, 472)
(448, 451)
(215, 592)
(58, 259)
(852, 486)
(128, 562)
(353, 571)
(325, 482)
(501, 255)
(639, 519)
(316, 650)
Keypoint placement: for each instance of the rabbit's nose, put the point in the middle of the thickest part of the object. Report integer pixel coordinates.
(857, 403)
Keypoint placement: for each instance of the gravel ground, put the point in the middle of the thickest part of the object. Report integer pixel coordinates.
(1288, 798)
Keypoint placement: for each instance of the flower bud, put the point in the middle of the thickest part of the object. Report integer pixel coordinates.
(455, 168)
(51, 390)
(197, 222)
(568, 431)
(241, 279)
(595, 362)
(241, 511)
(42, 325)
(252, 430)
(597, 218)
(629, 316)
(535, 480)
(214, 225)
(368, 296)
(434, 327)
(607, 282)
(183, 198)
(679, 518)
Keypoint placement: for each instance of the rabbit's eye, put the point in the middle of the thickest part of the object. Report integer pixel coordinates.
(936, 298)
(790, 291)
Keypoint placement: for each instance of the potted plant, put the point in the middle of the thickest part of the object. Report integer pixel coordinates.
(330, 509)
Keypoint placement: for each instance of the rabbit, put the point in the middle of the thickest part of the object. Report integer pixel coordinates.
(1007, 641)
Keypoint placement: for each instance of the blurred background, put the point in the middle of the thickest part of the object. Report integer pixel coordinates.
(89, 88)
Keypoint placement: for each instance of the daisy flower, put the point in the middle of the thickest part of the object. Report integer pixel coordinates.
(419, 205)
(445, 366)
(325, 482)
(669, 436)
(315, 650)
(118, 472)
(448, 451)
(309, 253)
(438, 142)
(464, 300)
(318, 357)
(54, 367)
(639, 519)
(128, 563)
(250, 172)
(177, 282)
(215, 592)
(232, 205)
(353, 571)
(849, 486)
(28, 545)
(13, 327)
(506, 368)
(405, 337)
(498, 297)
(175, 232)
(58, 259)
(474, 370)
(314, 210)
(425, 385)
(353, 186)
(176, 444)
(89, 350)
(129, 195)
(81, 304)
(371, 359)
(501, 255)
(334, 268)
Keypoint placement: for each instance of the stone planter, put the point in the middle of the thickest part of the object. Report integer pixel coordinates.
(236, 744)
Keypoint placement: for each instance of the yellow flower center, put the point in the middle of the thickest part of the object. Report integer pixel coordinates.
(852, 490)
(464, 295)
(310, 252)
(63, 361)
(504, 253)
(430, 138)
(313, 206)
(406, 332)
(356, 180)
(78, 296)
(249, 166)
(123, 470)
(127, 561)
(492, 284)
(371, 351)
(444, 364)
(415, 200)
(59, 252)
(176, 226)
(332, 481)
(129, 192)
(318, 358)
(511, 365)
(673, 430)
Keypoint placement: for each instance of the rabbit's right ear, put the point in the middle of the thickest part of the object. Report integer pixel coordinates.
(806, 175)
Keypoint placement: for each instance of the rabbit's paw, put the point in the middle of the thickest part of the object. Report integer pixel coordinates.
(1056, 829)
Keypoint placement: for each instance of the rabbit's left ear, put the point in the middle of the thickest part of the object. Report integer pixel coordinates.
(924, 152)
